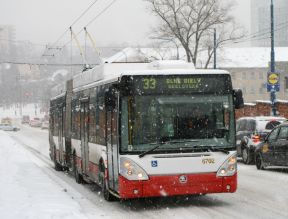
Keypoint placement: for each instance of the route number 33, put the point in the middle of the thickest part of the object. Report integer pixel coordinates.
(149, 83)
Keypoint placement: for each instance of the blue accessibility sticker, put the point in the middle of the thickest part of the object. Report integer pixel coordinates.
(154, 163)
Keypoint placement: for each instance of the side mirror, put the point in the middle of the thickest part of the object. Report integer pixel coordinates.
(238, 99)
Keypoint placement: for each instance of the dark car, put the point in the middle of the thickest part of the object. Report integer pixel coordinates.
(274, 150)
(250, 132)
(25, 119)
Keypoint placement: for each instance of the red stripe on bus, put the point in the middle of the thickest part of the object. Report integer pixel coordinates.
(93, 168)
(158, 186)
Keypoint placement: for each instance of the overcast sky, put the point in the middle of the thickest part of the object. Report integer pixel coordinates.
(126, 21)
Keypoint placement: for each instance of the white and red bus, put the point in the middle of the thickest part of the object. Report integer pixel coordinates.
(147, 130)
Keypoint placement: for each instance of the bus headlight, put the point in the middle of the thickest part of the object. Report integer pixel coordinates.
(131, 171)
(229, 167)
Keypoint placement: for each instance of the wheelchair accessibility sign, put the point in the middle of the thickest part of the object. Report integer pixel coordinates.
(154, 163)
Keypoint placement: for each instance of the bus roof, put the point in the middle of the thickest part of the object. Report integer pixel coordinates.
(110, 72)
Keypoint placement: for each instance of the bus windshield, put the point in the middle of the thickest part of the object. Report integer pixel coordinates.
(178, 121)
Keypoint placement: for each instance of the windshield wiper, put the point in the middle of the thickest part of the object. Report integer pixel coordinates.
(161, 143)
(182, 141)
(152, 149)
(215, 149)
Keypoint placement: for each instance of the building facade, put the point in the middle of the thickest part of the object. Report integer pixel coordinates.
(261, 22)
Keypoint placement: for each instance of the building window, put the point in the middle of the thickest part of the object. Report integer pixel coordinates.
(244, 76)
(252, 75)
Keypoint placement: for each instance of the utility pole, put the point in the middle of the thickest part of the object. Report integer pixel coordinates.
(272, 91)
(214, 48)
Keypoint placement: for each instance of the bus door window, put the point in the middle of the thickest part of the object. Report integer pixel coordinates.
(111, 105)
(84, 127)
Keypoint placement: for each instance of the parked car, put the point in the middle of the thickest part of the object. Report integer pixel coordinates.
(35, 122)
(8, 127)
(274, 150)
(25, 119)
(250, 132)
(45, 124)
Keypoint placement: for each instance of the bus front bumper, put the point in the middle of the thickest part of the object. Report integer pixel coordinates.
(158, 186)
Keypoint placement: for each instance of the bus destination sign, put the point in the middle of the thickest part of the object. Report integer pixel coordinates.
(181, 84)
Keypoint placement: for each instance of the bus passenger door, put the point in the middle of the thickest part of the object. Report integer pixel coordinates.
(84, 136)
(112, 142)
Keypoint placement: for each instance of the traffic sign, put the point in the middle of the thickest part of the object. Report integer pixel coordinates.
(273, 81)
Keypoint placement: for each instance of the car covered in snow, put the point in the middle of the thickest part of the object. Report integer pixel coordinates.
(8, 127)
(35, 122)
(25, 119)
(45, 124)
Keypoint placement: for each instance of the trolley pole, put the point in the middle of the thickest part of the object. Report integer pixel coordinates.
(214, 48)
(273, 91)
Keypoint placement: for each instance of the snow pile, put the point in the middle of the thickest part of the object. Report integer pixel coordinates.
(26, 191)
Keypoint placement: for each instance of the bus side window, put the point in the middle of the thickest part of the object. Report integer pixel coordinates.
(101, 111)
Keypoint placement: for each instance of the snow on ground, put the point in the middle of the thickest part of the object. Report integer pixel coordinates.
(31, 188)
(26, 191)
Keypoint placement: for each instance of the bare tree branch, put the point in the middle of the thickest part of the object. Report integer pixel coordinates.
(191, 21)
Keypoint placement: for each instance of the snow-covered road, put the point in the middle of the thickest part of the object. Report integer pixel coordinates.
(30, 188)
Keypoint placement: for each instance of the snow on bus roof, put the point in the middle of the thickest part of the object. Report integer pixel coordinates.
(110, 72)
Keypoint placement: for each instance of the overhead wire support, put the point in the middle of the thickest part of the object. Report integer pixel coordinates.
(92, 41)
(74, 36)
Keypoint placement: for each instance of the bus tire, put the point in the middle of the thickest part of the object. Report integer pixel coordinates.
(78, 177)
(57, 166)
(104, 185)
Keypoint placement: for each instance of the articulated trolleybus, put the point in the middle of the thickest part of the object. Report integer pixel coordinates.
(147, 130)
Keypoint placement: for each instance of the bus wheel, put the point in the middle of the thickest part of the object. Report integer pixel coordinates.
(77, 175)
(57, 166)
(259, 162)
(104, 185)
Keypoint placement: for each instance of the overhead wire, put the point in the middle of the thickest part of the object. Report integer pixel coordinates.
(259, 36)
(266, 30)
(74, 22)
(42, 64)
(90, 22)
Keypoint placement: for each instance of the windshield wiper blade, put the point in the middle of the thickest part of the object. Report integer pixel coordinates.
(213, 149)
(182, 141)
(152, 149)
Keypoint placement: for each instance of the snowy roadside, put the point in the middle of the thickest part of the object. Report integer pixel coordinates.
(26, 191)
